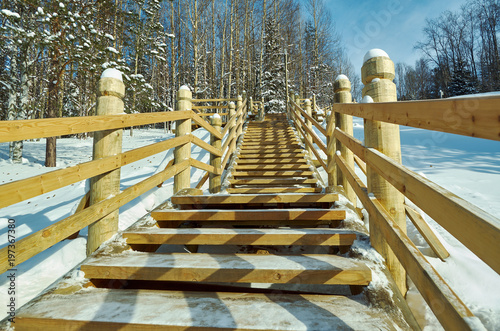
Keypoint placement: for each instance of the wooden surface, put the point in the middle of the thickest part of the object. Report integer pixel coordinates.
(261, 198)
(106, 143)
(207, 236)
(475, 117)
(215, 160)
(50, 127)
(385, 138)
(182, 180)
(146, 310)
(266, 190)
(446, 305)
(41, 240)
(272, 173)
(426, 232)
(248, 215)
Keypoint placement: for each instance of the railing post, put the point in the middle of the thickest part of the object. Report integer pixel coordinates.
(232, 111)
(377, 74)
(342, 89)
(250, 105)
(183, 127)
(309, 125)
(314, 105)
(238, 105)
(215, 161)
(110, 95)
(261, 111)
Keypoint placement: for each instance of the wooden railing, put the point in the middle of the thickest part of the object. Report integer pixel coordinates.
(475, 228)
(103, 168)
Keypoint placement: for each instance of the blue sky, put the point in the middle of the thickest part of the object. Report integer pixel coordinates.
(392, 25)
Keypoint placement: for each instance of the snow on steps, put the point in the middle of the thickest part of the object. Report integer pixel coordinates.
(237, 268)
(107, 309)
(215, 236)
(258, 198)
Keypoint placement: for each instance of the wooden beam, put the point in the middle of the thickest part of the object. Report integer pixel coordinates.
(446, 305)
(51, 127)
(201, 122)
(272, 161)
(272, 173)
(271, 166)
(261, 198)
(203, 166)
(208, 236)
(39, 241)
(203, 180)
(475, 117)
(426, 232)
(24, 189)
(200, 143)
(270, 155)
(274, 181)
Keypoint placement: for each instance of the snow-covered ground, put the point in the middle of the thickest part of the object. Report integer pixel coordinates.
(468, 167)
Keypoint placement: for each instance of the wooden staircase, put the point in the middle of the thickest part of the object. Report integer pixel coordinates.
(252, 259)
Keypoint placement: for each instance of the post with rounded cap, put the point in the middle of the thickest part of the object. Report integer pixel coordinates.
(215, 161)
(110, 93)
(232, 111)
(308, 110)
(239, 129)
(342, 89)
(261, 114)
(250, 105)
(183, 127)
(377, 74)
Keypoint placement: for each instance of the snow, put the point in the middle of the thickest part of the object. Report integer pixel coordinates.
(112, 50)
(9, 13)
(37, 213)
(477, 95)
(375, 52)
(110, 37)
(215, 116)
(339, 77)
(112, 73)
(367, 99)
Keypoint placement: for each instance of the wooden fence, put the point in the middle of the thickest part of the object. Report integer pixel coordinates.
(389, 182)
(107, 130)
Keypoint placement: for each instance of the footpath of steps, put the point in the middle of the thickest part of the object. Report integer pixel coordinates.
(253, 258)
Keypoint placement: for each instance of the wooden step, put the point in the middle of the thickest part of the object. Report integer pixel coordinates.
(232, 268)
(274, 190)
(272, 161)
(261, 198)
(264, 150)
(211, 236)
(249, 215)
(272, 173)
(270, 142)
(273, 182)
(109, 309)
(270, 155)
(271, 166)
(266, 147)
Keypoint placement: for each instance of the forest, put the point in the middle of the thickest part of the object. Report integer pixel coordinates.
(52, 54)
(460, 54)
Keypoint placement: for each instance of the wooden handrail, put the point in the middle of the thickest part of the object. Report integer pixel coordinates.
(203, 166)
(310, 118)
(446, 305)
(209, 148)
(201, 122)
(475, 228)
(210, 107)
(475, 117)
(315, 137)
(41, 240)
(24, 189)
(315, 152)
(51, 127)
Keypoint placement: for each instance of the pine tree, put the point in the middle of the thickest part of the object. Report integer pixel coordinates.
(273, 82)
(462, 82)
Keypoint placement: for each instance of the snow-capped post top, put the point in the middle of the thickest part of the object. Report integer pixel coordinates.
(111, 84)
(341, 77)
(342, 84)
(184, 98)
(216, 120)
(377, 64)
(185, 87)
(367, 99)
(375, 52)
(112, 73)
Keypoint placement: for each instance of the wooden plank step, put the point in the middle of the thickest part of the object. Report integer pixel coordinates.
(271, 166)
(110, 309)
(229, 268)
(272, 173)
(260, 198)
(275, 190)
(264, 150)
(270, 155)
(211, 236)
(279, 181)
(272, 161)
(249, 215)
(270, 142)
(265, 147)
